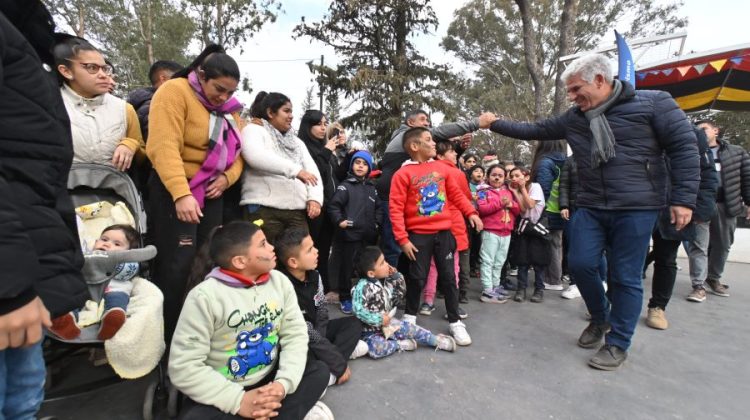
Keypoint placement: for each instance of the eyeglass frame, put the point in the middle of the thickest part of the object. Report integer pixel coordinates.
(102, 68)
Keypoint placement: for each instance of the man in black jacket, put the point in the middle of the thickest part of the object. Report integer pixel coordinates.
(40, 257)
(733, 167)
(619, 137)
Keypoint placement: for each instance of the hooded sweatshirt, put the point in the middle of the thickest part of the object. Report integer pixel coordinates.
(419, 194)
(231, 335)
(497, 218)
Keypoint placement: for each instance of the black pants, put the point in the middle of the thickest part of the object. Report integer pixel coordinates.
(177, 243)
(293, 406)
(344, 333)
(475, 245)
(341, 266)
(665, 270)
(321, 231)
(464, 263)
(442, 246)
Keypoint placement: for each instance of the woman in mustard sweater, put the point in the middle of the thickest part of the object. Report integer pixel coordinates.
(194, 144)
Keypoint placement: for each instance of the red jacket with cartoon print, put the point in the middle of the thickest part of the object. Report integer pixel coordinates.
(497, 218)
(419, 194)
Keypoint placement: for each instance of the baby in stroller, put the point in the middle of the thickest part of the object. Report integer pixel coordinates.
(105, 262)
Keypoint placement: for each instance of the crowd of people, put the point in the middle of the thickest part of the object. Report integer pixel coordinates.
(259, 226)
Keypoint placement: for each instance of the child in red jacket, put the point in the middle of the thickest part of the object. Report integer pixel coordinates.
(422, 223)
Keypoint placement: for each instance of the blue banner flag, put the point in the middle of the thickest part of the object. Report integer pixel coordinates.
(626, 67)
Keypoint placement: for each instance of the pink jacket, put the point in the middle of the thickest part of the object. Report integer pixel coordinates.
(497, 218)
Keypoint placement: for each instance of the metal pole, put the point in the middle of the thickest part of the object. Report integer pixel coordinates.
(320, 85)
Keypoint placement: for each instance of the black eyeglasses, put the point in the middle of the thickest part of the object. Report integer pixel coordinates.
(93, 68)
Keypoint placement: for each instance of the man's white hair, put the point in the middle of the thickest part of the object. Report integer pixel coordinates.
(587, 67)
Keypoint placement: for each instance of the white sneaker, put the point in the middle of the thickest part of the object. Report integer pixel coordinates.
(411, 319)
(407, 344)
(446, 343)
(604, 283)
(319, 411)
(571, 292)
(458, 331)
(556, 287)
(360, 350)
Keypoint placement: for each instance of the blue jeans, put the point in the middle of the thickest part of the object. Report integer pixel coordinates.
(391, 250)
(625, 235)
(22, 375)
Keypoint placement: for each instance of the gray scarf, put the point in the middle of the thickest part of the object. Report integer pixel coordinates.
(286, 144)
(603, 144)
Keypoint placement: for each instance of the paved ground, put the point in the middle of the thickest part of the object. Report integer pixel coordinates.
(524, 363)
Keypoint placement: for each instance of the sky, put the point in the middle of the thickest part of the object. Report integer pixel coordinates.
(712, 24)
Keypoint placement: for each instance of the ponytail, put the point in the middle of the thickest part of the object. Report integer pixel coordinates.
(214, 62)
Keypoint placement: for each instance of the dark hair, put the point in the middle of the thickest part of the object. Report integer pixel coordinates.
(265, 101)
(224, 243)
(160, 65)
(411, 135)
(311, 118)
(712, 123)
(468, 156)
(214, 62)
(443, 146)
(67, 49)
(543, 149)
(414, 113)
(496, 166)
(490, 153)
(474, 168)
(131, 235)
(288, 243)
(524, 171)
(367, 259)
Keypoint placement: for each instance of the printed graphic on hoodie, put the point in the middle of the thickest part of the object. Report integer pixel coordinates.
(255, 348)
(431, 194)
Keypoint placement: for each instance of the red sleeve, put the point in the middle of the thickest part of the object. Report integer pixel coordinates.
(457, 196)
(397, 206)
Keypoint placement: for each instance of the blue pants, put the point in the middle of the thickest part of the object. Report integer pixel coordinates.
(391, 250)
(625, 235)
(381, 347)
(22, 375)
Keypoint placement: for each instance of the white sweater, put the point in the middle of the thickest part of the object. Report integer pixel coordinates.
(269, 179)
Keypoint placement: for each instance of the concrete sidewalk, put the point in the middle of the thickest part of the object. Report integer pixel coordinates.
(525, 364)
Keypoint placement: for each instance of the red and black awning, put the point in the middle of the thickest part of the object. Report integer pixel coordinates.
(718, 80)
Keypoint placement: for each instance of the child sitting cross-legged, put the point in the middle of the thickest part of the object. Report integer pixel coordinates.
(330, 341)
(240, 346)
(374, 301)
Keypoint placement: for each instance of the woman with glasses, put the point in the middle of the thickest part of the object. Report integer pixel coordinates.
(105, 128)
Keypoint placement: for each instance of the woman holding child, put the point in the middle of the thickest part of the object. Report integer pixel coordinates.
(194, 145)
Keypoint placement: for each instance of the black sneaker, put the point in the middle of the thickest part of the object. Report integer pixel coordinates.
(538, 296)
(462, 298)
(461, 314)
(520, 295)
(508, 285)
(593, 335)
(609, 357)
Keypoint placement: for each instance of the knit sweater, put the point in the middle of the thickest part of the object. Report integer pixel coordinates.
(419, 193)
(178, 137)
(271, 179)
(231, 336)
(496, 217)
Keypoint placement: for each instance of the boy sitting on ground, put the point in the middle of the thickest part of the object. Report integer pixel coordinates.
(330, 341)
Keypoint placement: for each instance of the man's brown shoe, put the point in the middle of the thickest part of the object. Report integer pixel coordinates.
(656, 319)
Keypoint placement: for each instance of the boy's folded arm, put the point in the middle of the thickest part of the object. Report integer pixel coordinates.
(292, 340)
(327, 352)
(191, 346)
(360, 297)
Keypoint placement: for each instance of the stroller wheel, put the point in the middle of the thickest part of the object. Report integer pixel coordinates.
(174, 402)
(149, 401)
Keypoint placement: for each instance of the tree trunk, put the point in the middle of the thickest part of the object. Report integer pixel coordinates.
(530, 53)
(567, 28)
(400, 64)
(150, 32)
(80, 30)
(219, 23)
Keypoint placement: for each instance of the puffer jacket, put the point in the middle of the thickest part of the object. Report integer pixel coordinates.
(735, 178)
(141, 101)
(40, 253)
(569, 184)
(646, 125)
(356, 200)
(550, 167)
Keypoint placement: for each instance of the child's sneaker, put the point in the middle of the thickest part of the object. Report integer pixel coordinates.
(426, 309)
(112, 321)
(500, 291)
(571, 292)
(408, 344)
(65, 327)
(446, 343)
(459, 333)
(319, 411)
(461, 314)
(489, 296)
(360, 350)
(346, 306)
